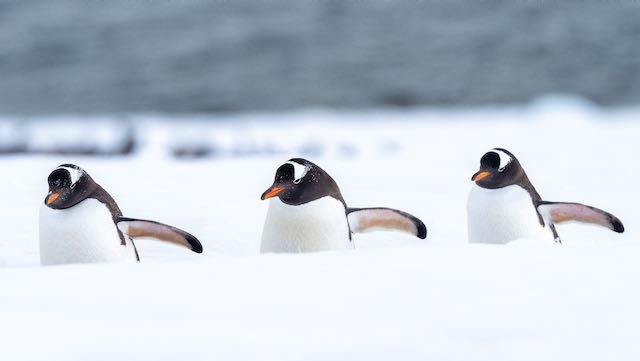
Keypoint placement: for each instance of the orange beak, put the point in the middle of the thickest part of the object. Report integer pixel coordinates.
(480, 176)
(271, 192)
(52, 197)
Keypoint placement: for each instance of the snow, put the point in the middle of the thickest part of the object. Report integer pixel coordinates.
(395, 297)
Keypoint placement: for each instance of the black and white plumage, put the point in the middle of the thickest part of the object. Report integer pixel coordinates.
(503, 205)
(81, 223)
(307, 213)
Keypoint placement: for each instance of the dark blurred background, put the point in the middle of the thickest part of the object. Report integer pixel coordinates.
(218, 56)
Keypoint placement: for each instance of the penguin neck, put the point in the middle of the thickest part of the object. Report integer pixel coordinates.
(526, 184)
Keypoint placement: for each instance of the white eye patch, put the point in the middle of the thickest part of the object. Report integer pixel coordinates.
(299, 170)
(75, 174)
(505, 158)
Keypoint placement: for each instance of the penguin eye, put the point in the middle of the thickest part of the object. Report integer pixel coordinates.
(73, 185)
(299, 171)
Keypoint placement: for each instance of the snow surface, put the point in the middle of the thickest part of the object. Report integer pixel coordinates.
(395, 297)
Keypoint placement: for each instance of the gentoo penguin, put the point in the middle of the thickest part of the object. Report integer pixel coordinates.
(81, 223)
(307, 213)
(503, 205)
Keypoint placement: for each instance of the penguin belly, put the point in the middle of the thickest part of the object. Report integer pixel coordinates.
(319, 225)
(84, 233)
(502, 215)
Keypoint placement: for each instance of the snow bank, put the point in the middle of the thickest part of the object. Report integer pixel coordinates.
(395, 297)
(519, 302)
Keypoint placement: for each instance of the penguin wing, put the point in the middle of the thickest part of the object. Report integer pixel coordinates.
(142, 228)
(370, 219)
(559, 212)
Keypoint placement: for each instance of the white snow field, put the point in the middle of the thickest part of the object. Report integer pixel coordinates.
(393, 298)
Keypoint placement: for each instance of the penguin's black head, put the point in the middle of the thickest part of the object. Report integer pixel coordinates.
(498, 168)
(68, 186)
(299, 181)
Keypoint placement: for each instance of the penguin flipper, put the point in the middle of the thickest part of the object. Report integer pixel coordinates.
(559, 212)
(143, 228)
(370, 219)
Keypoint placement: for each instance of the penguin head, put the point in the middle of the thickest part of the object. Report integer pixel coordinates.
(68, 186)
(498, 168)
(300, 181)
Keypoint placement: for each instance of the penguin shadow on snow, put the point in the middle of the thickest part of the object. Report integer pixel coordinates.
(307, 213)
(81, 223)
(503, 205)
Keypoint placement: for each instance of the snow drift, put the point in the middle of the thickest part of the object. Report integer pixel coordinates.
(395, 297)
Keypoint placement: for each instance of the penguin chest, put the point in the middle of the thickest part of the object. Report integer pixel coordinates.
(502, 215)
(319, 225)
(81, 234)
